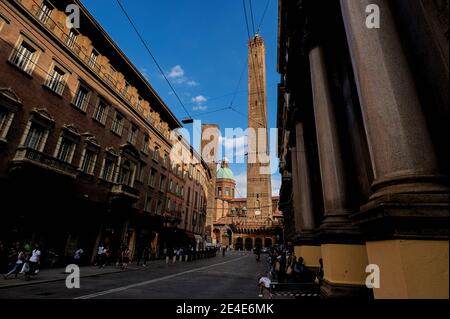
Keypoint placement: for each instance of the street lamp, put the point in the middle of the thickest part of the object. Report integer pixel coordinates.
(187, 120)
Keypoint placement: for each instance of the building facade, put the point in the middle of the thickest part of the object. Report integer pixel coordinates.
(234, 226)
(85, 141)
(363, 148)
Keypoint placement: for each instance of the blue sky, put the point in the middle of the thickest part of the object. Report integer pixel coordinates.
(202, 47)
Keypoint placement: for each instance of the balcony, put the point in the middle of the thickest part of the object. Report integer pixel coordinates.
(125, 191)
(30, 156)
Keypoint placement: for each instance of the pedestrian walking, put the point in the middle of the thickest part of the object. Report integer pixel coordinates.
(146, 255)
(125, 258)
(264, 283)
(34, 262)
(17, 266)
(77, 256)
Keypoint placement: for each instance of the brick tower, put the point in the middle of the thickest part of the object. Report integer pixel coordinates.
(259, 190)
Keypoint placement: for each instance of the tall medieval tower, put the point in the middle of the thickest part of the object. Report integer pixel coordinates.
(259, 189)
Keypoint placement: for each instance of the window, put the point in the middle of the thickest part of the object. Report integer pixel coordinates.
(2, 23)
(88, 161)
(72, 38)
(141, 174)
(126, 89)
(65, 150)
(152, 179)
(93, 60)
(194, 219)
(196, 200)
(109, 166)
(6, 118)
(177, 189)
(101, 112)
(44, 12)
(35, 137)
(148, 201)
(162, 183)
(56, 80)
(188, 196)
(132, 134)
(127, 172)
(117, 125)
(219, 191)
(24, 57)
(227, 191)
(156, 154)
(145, 144)
(159, 207)
(182, 191)
(170, 185)
(111, 76)
(169, 204)
(81, 98)
(164, 163)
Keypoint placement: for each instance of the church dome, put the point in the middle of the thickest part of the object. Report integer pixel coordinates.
(224, 172)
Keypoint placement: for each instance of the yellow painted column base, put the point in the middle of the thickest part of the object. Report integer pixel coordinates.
(344, 271)
(311, 254)
(411, 269)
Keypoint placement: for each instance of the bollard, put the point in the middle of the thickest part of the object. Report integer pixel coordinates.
(174, 259)
(186, 257)
(167, 259)
(181, 258)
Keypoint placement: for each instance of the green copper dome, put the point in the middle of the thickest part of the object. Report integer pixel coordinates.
(224, 172)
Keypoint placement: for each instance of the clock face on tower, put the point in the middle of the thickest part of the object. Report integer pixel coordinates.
(258, 212)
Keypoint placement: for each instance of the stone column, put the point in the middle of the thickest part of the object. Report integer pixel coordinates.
(407, 213)
(307, 245)
(304, 183)
(402, 155)
(344, 256)
(296, 191)
(337, 204)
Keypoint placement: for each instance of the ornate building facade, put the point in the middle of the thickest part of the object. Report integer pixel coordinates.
(85, 142)
(363, 147)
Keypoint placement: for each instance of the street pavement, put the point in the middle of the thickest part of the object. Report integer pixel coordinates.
(231, 277)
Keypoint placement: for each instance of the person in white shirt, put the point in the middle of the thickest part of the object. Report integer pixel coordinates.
(34, 262)
(264, 284)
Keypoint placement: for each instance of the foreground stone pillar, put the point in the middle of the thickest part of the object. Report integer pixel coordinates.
(306, 244)
(344, 255)
(409, 197)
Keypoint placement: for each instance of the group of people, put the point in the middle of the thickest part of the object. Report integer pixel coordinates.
(20, 259)
(285, 267)
(123, 256)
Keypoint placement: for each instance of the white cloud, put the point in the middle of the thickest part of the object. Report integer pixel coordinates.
(178, 76)
(176, 72)
(192, 83)
(199, 99)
